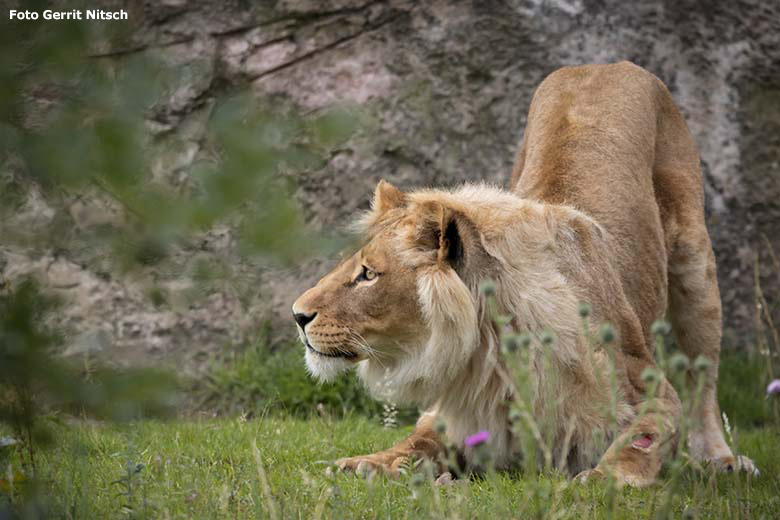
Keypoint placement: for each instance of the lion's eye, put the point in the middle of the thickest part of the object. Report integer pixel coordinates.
(366, 275)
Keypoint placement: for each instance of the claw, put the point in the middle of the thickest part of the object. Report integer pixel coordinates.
(365, 467)
(445, 479)
(739, 463)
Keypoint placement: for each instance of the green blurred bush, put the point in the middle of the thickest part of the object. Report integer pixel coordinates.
(74, 125)
(35, 380)
(256, 381)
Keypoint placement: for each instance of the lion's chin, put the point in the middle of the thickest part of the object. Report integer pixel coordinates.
(325, 368)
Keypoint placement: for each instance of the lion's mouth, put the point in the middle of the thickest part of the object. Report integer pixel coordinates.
(345, 355)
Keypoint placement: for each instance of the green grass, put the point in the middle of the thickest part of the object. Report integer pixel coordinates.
(206, 469)
(742, 383)
(200, 468)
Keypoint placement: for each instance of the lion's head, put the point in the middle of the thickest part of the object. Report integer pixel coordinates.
(408, 312)
(403, 308)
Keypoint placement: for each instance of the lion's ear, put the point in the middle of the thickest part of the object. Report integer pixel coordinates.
(387, 197)
(448, 232)
(450, 238)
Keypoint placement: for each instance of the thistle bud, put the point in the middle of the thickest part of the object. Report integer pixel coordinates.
(488, 288)
(679, 362)
(607, 333)
(511, 343)
(661, 328)
(702, 364)
(649, 375)
(584, 310)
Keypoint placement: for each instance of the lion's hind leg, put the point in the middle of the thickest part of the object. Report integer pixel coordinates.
(694, 298)
(635, 457)
(695, 313)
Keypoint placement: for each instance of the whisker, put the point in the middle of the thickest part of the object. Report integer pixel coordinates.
(360, 342)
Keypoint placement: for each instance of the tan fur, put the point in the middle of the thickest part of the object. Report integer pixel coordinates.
(605, 207)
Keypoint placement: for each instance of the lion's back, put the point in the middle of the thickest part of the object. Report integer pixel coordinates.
(594, 140)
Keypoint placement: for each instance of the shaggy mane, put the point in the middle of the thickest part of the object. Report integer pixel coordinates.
(458, 371)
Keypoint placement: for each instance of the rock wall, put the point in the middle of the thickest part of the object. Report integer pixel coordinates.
(446, 86)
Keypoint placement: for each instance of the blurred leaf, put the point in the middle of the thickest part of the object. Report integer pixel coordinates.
(334, 127)
(85, 129)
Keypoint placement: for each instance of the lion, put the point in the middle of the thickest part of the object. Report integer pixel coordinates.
(605, 206)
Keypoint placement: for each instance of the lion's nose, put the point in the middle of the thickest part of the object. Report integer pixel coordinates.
(303, 319)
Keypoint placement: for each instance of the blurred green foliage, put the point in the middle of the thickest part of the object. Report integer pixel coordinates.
(74, 125)
(92, 133)
(257, 382)
(34, 380)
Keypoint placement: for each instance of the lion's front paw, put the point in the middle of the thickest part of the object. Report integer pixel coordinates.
(738, 463)
(366, 465)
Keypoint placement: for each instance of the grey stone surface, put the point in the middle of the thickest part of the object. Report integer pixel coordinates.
(446, 86)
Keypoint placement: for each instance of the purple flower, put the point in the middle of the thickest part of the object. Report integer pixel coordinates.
(477, 439)
(773, 388)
